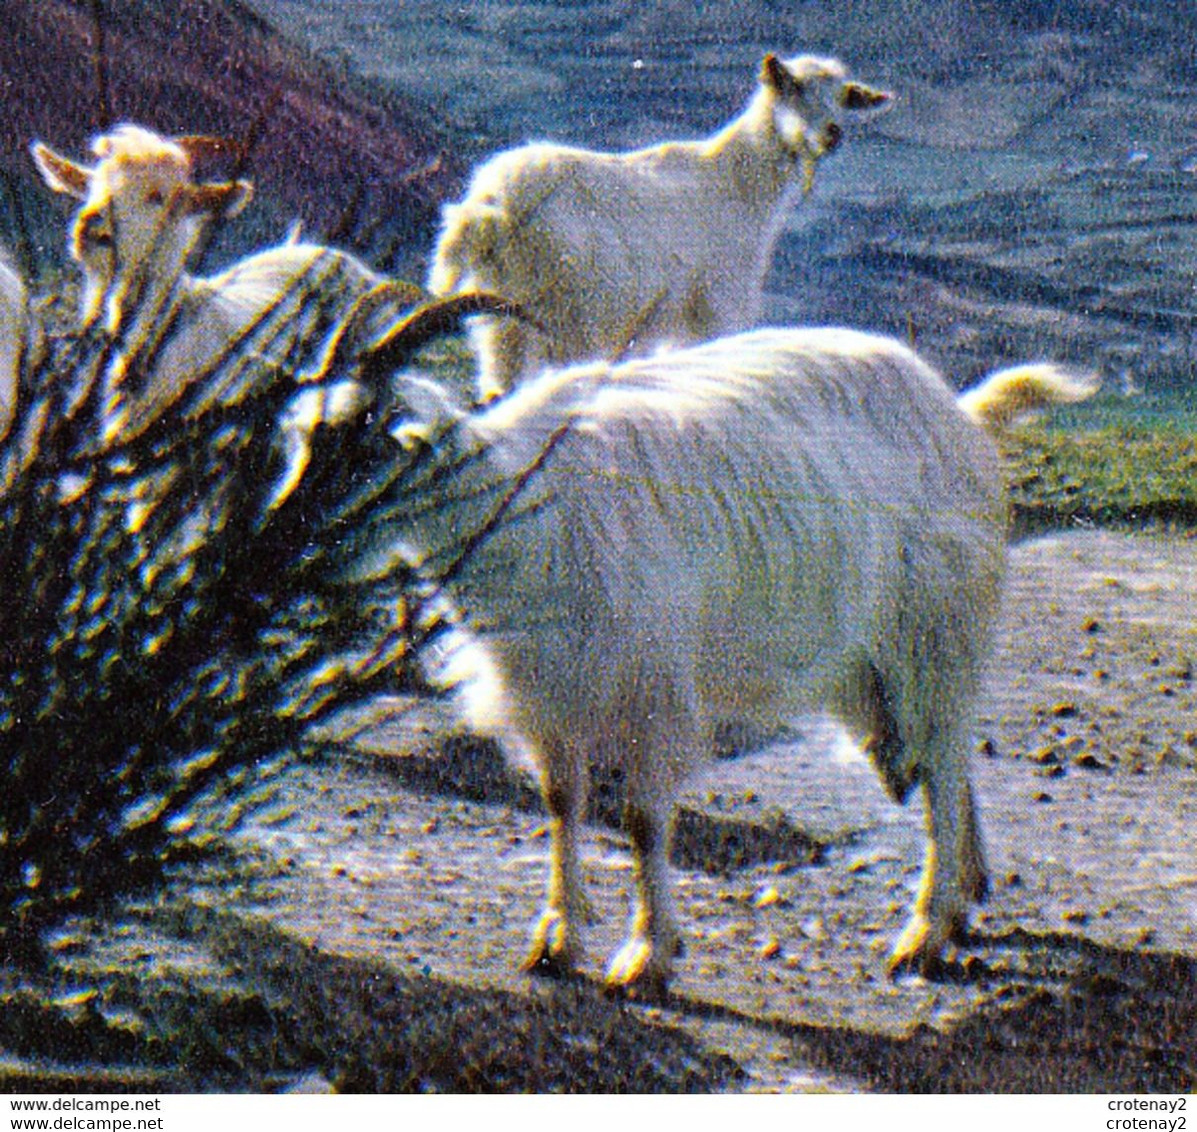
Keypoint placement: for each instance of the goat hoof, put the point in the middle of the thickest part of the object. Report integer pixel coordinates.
(919, 949)
(649, 990)
(553, 955)
(634, 972)
(651, 987)
(543, 964)
(488, 397)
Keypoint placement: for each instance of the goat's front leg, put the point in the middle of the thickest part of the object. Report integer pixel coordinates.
(556, 949)
(507, 354)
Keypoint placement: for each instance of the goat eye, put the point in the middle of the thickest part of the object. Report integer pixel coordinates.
(93, 231)
(791, 90)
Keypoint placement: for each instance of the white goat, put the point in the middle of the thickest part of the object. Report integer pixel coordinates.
(742, 530)
(14, 332)
(141, 218)
(611, 254)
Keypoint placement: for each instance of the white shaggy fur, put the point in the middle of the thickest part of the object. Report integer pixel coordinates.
(768, 523)
(140, 218)
(14, 329)
(612, 254)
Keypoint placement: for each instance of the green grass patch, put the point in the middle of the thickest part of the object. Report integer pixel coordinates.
(1112, 462)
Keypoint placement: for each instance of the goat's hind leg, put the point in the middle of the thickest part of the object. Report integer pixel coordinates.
(917, 735)
(556, 949)
(670, 753)
(955, 874)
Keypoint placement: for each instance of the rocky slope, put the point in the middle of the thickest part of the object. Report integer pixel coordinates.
(1032, 193)
(345, 157)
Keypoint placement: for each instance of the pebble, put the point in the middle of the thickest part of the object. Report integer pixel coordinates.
(766, 896)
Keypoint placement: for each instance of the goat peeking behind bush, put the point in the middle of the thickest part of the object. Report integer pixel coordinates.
(141, 217)
(175, 623)
(614, 254)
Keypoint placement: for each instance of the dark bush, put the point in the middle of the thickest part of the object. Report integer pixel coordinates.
(171, 635)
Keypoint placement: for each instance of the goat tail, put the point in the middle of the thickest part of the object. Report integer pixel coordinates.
(1011, 393)
(469, 238)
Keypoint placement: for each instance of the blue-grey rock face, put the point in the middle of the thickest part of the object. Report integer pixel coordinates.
(1030, 194)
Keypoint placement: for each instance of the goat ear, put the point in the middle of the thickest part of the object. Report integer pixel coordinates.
(217, 198)
(61, 173)
(771, 68)
(778, 77)
(862, 99)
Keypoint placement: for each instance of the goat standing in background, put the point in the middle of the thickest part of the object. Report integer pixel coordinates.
(140, 219)
(613, 254)
(762, 525)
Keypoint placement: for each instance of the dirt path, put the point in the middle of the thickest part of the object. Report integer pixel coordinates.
(1081, 975)
(375, 942)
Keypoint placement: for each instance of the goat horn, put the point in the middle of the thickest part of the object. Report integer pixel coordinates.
(199, 146)
(430, 320)
(346, 343)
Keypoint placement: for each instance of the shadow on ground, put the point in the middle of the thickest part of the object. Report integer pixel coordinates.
(265, 1012)
(475, 769)
(1062, 1014)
